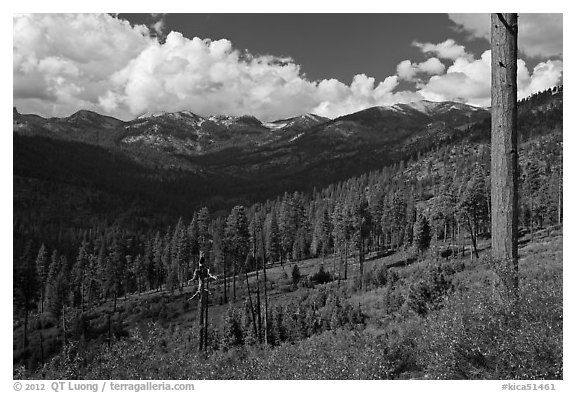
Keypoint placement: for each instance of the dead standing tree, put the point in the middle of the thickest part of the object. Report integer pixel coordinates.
(504, 159)
(202, 274)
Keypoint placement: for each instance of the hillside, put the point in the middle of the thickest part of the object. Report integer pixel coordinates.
(376, 333)
(402, 248)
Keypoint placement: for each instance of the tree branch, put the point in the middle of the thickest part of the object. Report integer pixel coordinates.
(513, 29)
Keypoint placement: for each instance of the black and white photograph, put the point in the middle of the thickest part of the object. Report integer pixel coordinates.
(287, 196)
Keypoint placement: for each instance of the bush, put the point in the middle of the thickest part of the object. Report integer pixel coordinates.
(428, 293)
(484, 335)
(321, 276)
(296, 275)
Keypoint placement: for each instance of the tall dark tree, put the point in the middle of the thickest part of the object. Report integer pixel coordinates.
(81, 275)
(116, 270)
(421, 233)
(288, 227)
(237, 240)
(42, 265)
(159, 269)
(273, 246)
(203, 233)
(472, 206)
(361, 224)
(26, 286)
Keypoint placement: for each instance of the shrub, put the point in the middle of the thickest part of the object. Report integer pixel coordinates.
(321, 276)
(484, 335)
(428, 293)
(295, 275)
(232, 334)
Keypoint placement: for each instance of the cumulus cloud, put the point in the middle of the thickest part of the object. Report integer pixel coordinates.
(64, 62)
(158, 24)
(444, 50)
(469, 80)
(408, 71)
(338, 99)
(539, 35)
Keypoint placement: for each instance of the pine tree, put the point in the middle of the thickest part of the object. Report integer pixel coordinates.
(159, 267)
(339, 235)
(273, 246)
(232, 334)
(288, 228)
(42, 272)
(472, 207)
(296, 275)
(532, 185)
(26, 286)
(421, 233)
(79, 275)
(116, 269)
(237, 239)
(361, 223)
(203, 233)
(398, 217)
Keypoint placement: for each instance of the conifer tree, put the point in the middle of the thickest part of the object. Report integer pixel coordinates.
(42, 266)
(237, 239)
(472, 206)
(273, 246)
(361, 224)
(26, 286)
(421, 233)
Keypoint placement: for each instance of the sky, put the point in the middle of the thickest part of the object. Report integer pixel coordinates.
(272, 66)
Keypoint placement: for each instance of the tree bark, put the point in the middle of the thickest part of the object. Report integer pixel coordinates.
(258, 304)
(251, 304)
(225, 283)
(234, 280)
(346, 260)
(504, 154)
(201, 315)
(265, 301)
(560, 196)
(206, 307)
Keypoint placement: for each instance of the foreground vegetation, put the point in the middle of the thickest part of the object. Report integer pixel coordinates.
(432, 319)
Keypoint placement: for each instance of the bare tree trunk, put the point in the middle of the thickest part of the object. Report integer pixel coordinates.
(504, 159)
(251, 304)
(346, 260)
(531, 218)
(109, 330)
(560, 196)
(339, 265)
(225, 282)
(25, 343)
(265, 301)
(201, 315)
(258, 305)
(234, 280)
(206, 306)
(41, 340)
(361, 263)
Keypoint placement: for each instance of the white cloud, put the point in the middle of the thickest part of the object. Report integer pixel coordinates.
(539, 35)
(158, 24)
(444, 50)
(468, 80)
(408, 71)
(61, 62)
(65, 62)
